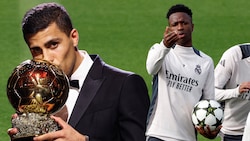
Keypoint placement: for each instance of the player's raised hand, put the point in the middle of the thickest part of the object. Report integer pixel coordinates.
(170, 37)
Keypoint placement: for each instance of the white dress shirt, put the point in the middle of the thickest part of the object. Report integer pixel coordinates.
(80, 75)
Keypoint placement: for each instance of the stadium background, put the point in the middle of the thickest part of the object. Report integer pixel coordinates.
(121, 32)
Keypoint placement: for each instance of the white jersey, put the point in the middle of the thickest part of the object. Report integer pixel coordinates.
(246, 133)
(184, 76)
(233, 69)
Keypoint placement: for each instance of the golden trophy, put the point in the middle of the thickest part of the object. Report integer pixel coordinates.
(36, 89)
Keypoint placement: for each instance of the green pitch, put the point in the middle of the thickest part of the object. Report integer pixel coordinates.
(122, 31)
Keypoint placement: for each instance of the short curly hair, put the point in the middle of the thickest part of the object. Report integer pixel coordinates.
(179, 8)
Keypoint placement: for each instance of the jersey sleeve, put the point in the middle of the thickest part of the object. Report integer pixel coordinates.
(223, 72)
(155, 58)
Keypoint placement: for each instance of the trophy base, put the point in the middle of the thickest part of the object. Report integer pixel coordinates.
(30, 125)
(24, 139)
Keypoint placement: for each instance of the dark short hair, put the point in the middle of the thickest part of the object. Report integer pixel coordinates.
(179, 8)
(42, 15)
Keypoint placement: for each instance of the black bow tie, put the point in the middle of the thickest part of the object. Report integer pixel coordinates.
(74, 83)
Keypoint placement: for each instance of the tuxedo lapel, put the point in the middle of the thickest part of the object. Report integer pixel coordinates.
(89, 89)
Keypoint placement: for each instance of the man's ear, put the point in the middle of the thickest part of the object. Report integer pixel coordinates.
(75, 37)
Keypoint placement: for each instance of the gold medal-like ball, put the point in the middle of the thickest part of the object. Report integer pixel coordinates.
(37, 86)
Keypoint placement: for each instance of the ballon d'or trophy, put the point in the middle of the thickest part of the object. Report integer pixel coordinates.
(36, 89)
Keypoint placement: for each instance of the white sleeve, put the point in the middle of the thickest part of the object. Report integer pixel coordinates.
(246, 133)
(155, 57)
(208, 91)
(223, 94)
(223, 72)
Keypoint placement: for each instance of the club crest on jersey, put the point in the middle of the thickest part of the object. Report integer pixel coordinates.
(198, 69)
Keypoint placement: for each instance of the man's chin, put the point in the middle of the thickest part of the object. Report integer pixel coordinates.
(183, 43)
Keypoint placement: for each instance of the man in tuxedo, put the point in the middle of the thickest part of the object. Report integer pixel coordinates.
(109, 104)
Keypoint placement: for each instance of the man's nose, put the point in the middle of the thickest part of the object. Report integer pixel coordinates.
(180, 26)
(47, 56)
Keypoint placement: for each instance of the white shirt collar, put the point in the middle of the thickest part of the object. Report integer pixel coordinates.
(82, 71)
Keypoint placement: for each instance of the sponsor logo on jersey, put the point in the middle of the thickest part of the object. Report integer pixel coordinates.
(181, 82)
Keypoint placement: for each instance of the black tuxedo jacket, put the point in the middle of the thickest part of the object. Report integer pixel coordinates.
(112, 105)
